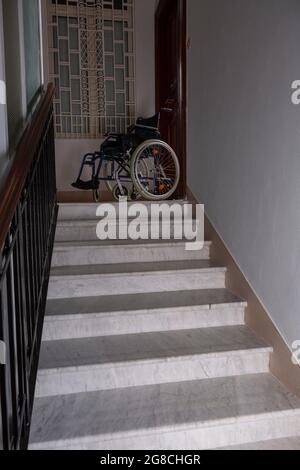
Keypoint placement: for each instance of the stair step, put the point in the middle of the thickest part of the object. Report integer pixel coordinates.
(141, 313)
(86, 229)
(131, 278)
(79, 365)
(289, 443)
(88, 211)
(205, 414)
(83, 253)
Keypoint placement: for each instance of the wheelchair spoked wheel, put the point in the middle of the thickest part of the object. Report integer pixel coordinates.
(161, 179)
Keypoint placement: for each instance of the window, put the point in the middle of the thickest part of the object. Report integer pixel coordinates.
(32, 48)
(21, 31)
(91, 63)
(13, 70)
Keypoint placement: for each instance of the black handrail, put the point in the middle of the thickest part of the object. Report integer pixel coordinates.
(28, 213)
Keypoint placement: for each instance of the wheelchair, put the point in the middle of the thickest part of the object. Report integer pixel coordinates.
(136, 165)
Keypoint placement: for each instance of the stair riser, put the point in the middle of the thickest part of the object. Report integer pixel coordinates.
(93, 325)
(81, 232)
(65, 287)
(139, 373)
(198, 437)
(89, 211)
(79, 256)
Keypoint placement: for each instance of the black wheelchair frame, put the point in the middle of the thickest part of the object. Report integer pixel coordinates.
(118, 149)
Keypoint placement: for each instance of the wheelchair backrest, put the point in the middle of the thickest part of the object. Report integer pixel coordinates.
(152, 122)
(146, 129)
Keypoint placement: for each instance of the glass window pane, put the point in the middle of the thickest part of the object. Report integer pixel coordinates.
(73, 21)
(110, 90)
(130, 92)
(66, 125)
(54, 39)
(55, 63)
(75, 86)
(56, 83)
(110, 110)
(120, 103)
(74, 62)
(73, 34)
(128, 41)
(108, 41)
(62, 26)
(109, 66)
(118, 4)
(76, 109)
(64, 76)
(120, 79)
(65, 102)
(63, 50)
(119, 54)
(118, 30)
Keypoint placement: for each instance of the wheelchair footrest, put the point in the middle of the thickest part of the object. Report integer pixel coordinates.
(86, 185)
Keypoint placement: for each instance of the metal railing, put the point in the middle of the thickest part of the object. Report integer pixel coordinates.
(28, 213)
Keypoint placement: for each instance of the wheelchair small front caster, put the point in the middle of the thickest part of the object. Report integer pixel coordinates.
(96, 195)
(117, 192)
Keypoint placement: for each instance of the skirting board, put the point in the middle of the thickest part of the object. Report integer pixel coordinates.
(257, 318)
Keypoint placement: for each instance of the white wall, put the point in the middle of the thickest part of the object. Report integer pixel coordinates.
(70, 151)
(244, 141)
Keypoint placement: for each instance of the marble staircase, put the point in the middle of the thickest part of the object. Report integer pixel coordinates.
(145, 348)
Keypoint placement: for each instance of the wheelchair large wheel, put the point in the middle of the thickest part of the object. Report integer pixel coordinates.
(163, 170)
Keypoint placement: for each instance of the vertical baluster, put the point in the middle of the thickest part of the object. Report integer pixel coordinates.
(5, 406)
(27, 273)
(12, 341)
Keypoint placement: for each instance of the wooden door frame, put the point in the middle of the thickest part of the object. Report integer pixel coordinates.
(162, 10)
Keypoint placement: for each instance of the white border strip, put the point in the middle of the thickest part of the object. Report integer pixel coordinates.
(2, 92)
(2, 353)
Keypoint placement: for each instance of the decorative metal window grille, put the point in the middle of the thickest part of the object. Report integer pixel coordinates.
(92, 64)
